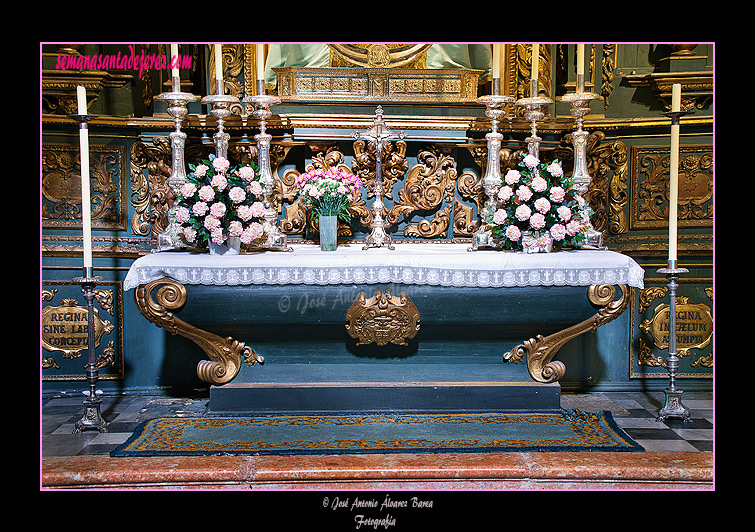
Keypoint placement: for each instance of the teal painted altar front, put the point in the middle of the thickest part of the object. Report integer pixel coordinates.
(286, 316)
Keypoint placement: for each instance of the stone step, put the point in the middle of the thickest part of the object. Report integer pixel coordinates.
(369, 387)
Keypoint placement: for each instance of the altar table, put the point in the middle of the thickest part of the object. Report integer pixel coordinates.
(363, 327)
(419, 264)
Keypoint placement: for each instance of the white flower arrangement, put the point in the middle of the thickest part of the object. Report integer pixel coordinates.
(218, 202)
(538, 205)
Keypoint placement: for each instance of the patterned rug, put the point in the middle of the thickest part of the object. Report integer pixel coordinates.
(569, 430)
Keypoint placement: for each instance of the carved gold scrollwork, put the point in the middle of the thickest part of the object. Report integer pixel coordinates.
(149, 193)
(61, 186)
(651, 185)
(382, 319)
(393, 165)
(607, 194)
(430, 182)
(226, 354)
(541, 350)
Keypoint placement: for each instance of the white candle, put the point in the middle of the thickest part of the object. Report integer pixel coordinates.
(174, 61)
(496, 61)
(673, 196)
(580, 68)
(86, 211)
(81, 99)
(535, 62)
(219, 67)
(260, 50)
(676, 97)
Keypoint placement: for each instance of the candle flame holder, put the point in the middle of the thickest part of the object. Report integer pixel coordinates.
(275, 238)
(377, 135)
(495, 110)
(177, 108)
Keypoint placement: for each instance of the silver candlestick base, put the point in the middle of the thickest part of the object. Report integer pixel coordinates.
(92, 419)
(177, 108)
(377, 135)
(491, 183)
(275, 239)
(580, 107)
(673, 406)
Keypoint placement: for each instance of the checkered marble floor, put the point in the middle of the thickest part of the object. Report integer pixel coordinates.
(635, 412)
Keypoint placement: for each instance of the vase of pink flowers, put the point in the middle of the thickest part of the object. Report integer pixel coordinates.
(221, 206)
(329, 192)
(538, 209)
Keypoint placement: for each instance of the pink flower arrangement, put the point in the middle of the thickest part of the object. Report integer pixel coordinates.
(536, 203)
(219, 201)
(329, 192)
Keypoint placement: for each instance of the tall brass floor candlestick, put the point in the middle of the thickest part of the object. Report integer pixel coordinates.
(92, 419)
(673, 406)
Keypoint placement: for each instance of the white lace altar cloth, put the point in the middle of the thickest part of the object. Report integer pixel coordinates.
(417, 264)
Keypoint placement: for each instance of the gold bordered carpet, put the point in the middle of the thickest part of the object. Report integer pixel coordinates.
(568, 430)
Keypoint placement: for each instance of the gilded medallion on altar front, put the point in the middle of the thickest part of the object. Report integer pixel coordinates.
(382, 319)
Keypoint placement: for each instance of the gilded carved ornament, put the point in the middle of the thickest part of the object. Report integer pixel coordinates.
(539, 351)
(608, 165)
(149, 192)
(64, 328)
(694, 328)
(226, 354)
(61, 186)
(382, 319)
(650, 182)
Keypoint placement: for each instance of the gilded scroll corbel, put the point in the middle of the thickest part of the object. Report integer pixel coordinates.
(226, 354)
(541, 349)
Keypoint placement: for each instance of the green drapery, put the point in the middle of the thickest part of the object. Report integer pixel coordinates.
(317, 55)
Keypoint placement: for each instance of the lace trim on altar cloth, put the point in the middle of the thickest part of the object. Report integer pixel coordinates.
(594, 267)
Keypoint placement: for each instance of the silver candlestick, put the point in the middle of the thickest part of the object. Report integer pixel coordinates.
(495, 110)
(177, 108)
(673, 406)
(221, 104)
(534, 112)
(92, 418)
(275, 238)
(377, 135)
(580, 107)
